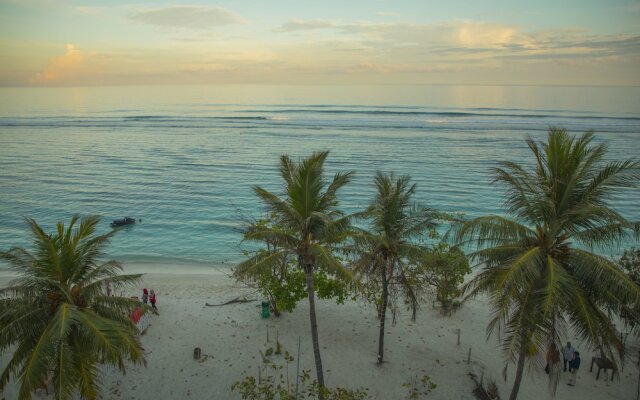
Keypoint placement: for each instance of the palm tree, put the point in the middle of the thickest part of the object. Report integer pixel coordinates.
(56, 316)
(308, 225)
(540, 271)
(390, 248)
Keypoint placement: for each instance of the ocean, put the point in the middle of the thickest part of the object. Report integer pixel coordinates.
(184, 159)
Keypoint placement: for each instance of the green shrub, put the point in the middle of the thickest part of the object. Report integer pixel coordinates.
(445, 269)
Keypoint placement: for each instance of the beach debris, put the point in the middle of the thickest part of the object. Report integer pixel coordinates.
(197, 352)
(482, 392)
(240, 299)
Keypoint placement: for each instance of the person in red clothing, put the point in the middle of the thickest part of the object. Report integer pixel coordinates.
(553, 358)
(152, 299)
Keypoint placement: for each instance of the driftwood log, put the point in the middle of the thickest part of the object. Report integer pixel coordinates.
(236, 300)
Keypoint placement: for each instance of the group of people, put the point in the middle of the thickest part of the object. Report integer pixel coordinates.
(146, 296)
(149, 297)
(570, 356)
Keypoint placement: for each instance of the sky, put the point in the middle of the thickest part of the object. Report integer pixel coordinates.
(328, 42)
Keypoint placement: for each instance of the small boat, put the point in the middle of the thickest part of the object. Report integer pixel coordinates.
(122, 222)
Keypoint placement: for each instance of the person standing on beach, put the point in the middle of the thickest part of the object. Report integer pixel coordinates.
(573, 367)
(145, 295)
(152, 299)
(567, 355)
(553, 357)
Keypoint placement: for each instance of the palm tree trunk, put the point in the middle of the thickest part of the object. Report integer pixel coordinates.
(519, 370)
(308, 269)
(383, 313)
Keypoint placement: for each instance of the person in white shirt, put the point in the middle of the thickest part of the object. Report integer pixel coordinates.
(567, 355)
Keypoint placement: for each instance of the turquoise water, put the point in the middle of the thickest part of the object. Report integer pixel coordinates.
(184, 159)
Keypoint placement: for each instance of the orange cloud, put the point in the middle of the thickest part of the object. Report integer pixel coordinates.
(71, 63)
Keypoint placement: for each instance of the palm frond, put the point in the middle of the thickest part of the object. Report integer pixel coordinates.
(491, 230)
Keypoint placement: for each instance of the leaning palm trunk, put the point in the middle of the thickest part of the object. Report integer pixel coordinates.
(522, 355)
(383, 313)
(308, 269)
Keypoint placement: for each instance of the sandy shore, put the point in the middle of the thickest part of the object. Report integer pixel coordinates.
(231, 337)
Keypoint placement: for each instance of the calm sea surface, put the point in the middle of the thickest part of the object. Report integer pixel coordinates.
(184, 159)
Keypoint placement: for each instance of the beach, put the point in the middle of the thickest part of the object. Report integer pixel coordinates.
(232, 336)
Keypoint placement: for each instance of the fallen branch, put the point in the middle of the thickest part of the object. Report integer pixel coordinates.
(236, 300)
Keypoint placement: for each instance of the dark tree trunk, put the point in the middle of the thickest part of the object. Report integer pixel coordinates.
(308, 269)
(519, 370)
(274, 305)
(383, 313)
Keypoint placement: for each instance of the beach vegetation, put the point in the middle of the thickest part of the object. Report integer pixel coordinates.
(629, 262)
(308, 227)
(286, 287)
(57, 317)
(419, 387)
(273, 386)
(281, 280)
(444, 268)
(539, 269)
(387, 253)
(277, 279)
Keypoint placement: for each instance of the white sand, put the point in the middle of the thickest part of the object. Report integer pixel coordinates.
(231, 337)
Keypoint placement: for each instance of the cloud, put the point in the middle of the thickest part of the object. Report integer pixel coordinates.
(456, 33)
(305, 25)
(326, 51)
(368, 67)
(187, 17)
(459, 41)
(61, 67)
(474, 34)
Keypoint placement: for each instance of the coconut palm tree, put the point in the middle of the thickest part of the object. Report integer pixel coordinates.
(389, 248)
(308, 225)
(539, 269)
(55, 316)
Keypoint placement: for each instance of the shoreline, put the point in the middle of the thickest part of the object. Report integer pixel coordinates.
(184, 267)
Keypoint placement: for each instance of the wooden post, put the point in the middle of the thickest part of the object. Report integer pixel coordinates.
(469, 357)
(638, 395)
(458, 331)
(267, 333)
(298, 368)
